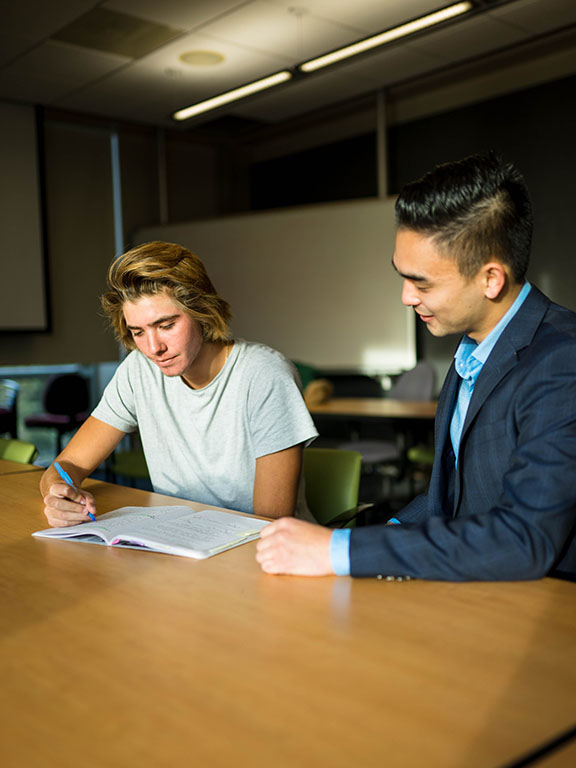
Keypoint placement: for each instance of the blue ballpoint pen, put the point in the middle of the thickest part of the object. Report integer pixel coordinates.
(67, 479)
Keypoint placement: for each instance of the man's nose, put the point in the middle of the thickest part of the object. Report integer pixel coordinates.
(409, 295)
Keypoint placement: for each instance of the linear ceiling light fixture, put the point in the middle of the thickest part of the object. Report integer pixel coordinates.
(234, 95)
(390, 35)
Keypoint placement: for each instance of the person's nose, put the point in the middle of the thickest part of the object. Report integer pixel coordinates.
(156, 345)
(410, 296)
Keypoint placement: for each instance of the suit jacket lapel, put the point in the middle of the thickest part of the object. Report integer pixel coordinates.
(517, 335)
(445, 408)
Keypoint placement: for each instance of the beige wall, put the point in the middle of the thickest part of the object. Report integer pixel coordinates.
(314, 282)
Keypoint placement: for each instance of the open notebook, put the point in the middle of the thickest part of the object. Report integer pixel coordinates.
(173, 530)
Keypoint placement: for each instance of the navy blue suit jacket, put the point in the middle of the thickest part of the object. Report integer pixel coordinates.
(508, 510)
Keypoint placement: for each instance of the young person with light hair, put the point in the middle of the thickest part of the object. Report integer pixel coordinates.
(222, 421)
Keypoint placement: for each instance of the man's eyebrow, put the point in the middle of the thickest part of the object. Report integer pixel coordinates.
(160, 321)
(414, 278)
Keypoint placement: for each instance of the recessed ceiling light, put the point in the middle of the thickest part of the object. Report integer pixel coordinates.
(202, 58)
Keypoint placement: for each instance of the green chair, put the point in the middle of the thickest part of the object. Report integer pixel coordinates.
(130, 465)
(420, 460)
(17, 450)
(332, 478)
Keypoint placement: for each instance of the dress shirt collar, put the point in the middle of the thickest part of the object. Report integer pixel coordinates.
(471, 356)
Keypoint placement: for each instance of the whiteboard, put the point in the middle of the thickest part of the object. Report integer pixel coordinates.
(23, 279)
(316, 282)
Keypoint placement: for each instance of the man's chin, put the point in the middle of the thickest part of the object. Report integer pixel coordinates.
(436, 330)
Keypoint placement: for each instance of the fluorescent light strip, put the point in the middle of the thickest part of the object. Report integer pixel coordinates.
(386, 37)
(237, 93)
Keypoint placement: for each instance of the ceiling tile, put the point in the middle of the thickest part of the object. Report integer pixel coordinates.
(28, 23)
(294, 99)
(261, 26)
(366, 16)
(127, 96)
(103, 29)
(185, 14)
(161, 82)
(469, 38)
(12, 46)
(54, 69)
(240, 65)
(535, 16)
(393, 65)
(37, 19)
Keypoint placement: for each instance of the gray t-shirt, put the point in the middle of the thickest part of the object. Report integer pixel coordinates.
(203, 444)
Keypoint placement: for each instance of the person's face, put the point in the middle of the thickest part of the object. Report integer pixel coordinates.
(446, 301)
(165, 334)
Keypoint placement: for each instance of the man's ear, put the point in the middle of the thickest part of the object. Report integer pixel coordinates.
(495, 277)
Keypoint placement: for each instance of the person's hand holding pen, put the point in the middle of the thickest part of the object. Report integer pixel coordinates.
(66, 504)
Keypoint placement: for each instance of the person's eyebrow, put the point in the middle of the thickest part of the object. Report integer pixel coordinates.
(160, 321)
(414, 278)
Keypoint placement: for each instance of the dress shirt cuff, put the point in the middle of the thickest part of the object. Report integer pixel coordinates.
(394, 521)
(340, 552)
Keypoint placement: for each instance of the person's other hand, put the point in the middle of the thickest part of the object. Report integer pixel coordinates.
(65, 505)
(294, 547)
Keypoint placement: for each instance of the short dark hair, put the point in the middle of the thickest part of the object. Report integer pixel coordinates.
(159, 267)
(475, 210)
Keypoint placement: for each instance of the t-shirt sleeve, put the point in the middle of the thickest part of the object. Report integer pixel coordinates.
(278, 414)
(117, 406)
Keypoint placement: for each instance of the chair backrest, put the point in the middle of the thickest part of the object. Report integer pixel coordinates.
(354, 385)
(419, 383)
(17, 450)
(131, 464)
(66, 394)
(9, 406)
(332, 478)
(8, 393)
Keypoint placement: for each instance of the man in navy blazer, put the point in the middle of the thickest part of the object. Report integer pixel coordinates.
(501, 504)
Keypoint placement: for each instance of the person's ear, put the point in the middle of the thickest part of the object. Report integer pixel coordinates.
(494, 276)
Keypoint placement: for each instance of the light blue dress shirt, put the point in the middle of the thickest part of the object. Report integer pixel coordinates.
(468, 360)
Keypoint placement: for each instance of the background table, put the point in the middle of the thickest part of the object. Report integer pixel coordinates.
(377, 408)
(114, 657)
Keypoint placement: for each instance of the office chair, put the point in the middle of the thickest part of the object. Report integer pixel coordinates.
(332, 479)
(9, 391)
(17, 450)
(130, 465)
(66, 401)
(388, 457)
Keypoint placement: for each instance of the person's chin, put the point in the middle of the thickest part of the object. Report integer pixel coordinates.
(170, 368)
(434, 329)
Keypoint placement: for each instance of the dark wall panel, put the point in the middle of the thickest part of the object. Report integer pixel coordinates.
(343, 170)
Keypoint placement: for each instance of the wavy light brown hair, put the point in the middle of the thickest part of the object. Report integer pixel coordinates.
(159, 267)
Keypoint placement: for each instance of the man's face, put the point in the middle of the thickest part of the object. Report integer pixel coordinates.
(163, 333)
(444, 300)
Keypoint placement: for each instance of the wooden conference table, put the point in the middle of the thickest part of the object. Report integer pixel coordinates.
(124, 658)
(15, 468)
